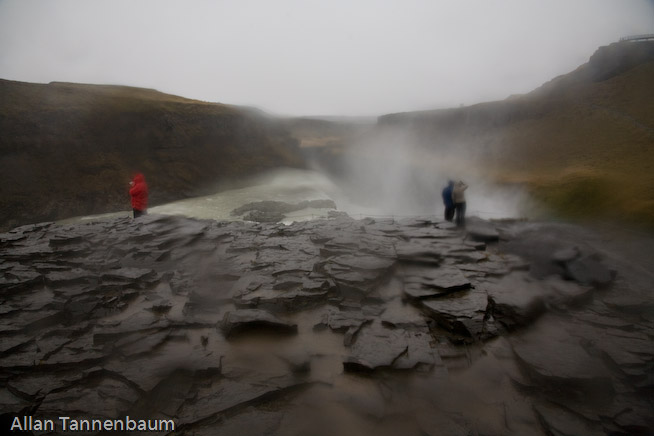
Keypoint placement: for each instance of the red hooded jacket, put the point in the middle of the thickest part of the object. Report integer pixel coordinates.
(139, 193)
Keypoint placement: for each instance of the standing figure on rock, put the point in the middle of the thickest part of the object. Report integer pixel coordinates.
(447, 201)
(139, 192)
(459, 199)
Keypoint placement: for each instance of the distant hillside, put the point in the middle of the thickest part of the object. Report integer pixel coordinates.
(328, 131)
(69, 149)
(583, 143)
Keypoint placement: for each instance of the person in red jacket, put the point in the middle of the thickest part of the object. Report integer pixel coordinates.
(139, 194)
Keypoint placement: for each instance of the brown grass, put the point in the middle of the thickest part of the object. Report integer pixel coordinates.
(591, 152)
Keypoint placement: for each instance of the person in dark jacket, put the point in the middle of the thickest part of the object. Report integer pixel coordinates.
(139, 193)
(448, 202)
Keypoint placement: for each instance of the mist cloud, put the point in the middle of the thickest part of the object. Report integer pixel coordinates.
(309, 57)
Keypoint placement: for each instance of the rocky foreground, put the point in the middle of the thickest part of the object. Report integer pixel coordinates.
(337, 326)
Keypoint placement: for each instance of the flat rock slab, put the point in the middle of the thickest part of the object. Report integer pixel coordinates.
(405, 317)
(424, 232)
(589, 271)
(419, 251)
(565, 255)
(418, 291)
(461, 313)
(378, 347)
(566, 293)
(375, 349)
(40, 384)
(559, 421)
(223, 395)
(549, 353)
(480, 230)
(19, 278)
(631, 351)
(486, 268)
(73, 276)
(244, 320)
(349, 322)
(293, 300)
(104, 398)
(342, 321)
(418, 221)
(423, 282)
(128, 274)
(363, 262)
(517, 299)
(419, 354)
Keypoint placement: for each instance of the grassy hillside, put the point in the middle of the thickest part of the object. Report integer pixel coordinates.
(70, 149)
(582, 144)
(592, 151)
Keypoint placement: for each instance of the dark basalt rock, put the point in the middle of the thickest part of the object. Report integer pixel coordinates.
(418, 251)
(19, 278)
(244, 320)
(565, 255)
(462, 313)
(418, 221)
(290, 300)
(404, 317)
(423, 282)
(143, 317)
(128, 274)
(549, 353)
(566, 293)
(104, 398)
(419, 354)
(377, 347)
(557, 420)
(588, 271)
(349, 322)
(342, 321)
(363, 262)
(224, 395)
(482, 231)
(517, 299)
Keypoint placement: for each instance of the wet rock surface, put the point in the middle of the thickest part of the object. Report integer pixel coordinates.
(337, 326)
(240, 321)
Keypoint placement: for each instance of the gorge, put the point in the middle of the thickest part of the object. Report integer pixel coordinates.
(352, 307)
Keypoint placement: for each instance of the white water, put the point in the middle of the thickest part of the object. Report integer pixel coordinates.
(287, 185)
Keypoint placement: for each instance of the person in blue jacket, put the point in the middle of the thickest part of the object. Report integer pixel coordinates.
(448, 201)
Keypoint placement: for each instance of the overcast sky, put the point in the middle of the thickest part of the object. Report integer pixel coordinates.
(303, 57)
